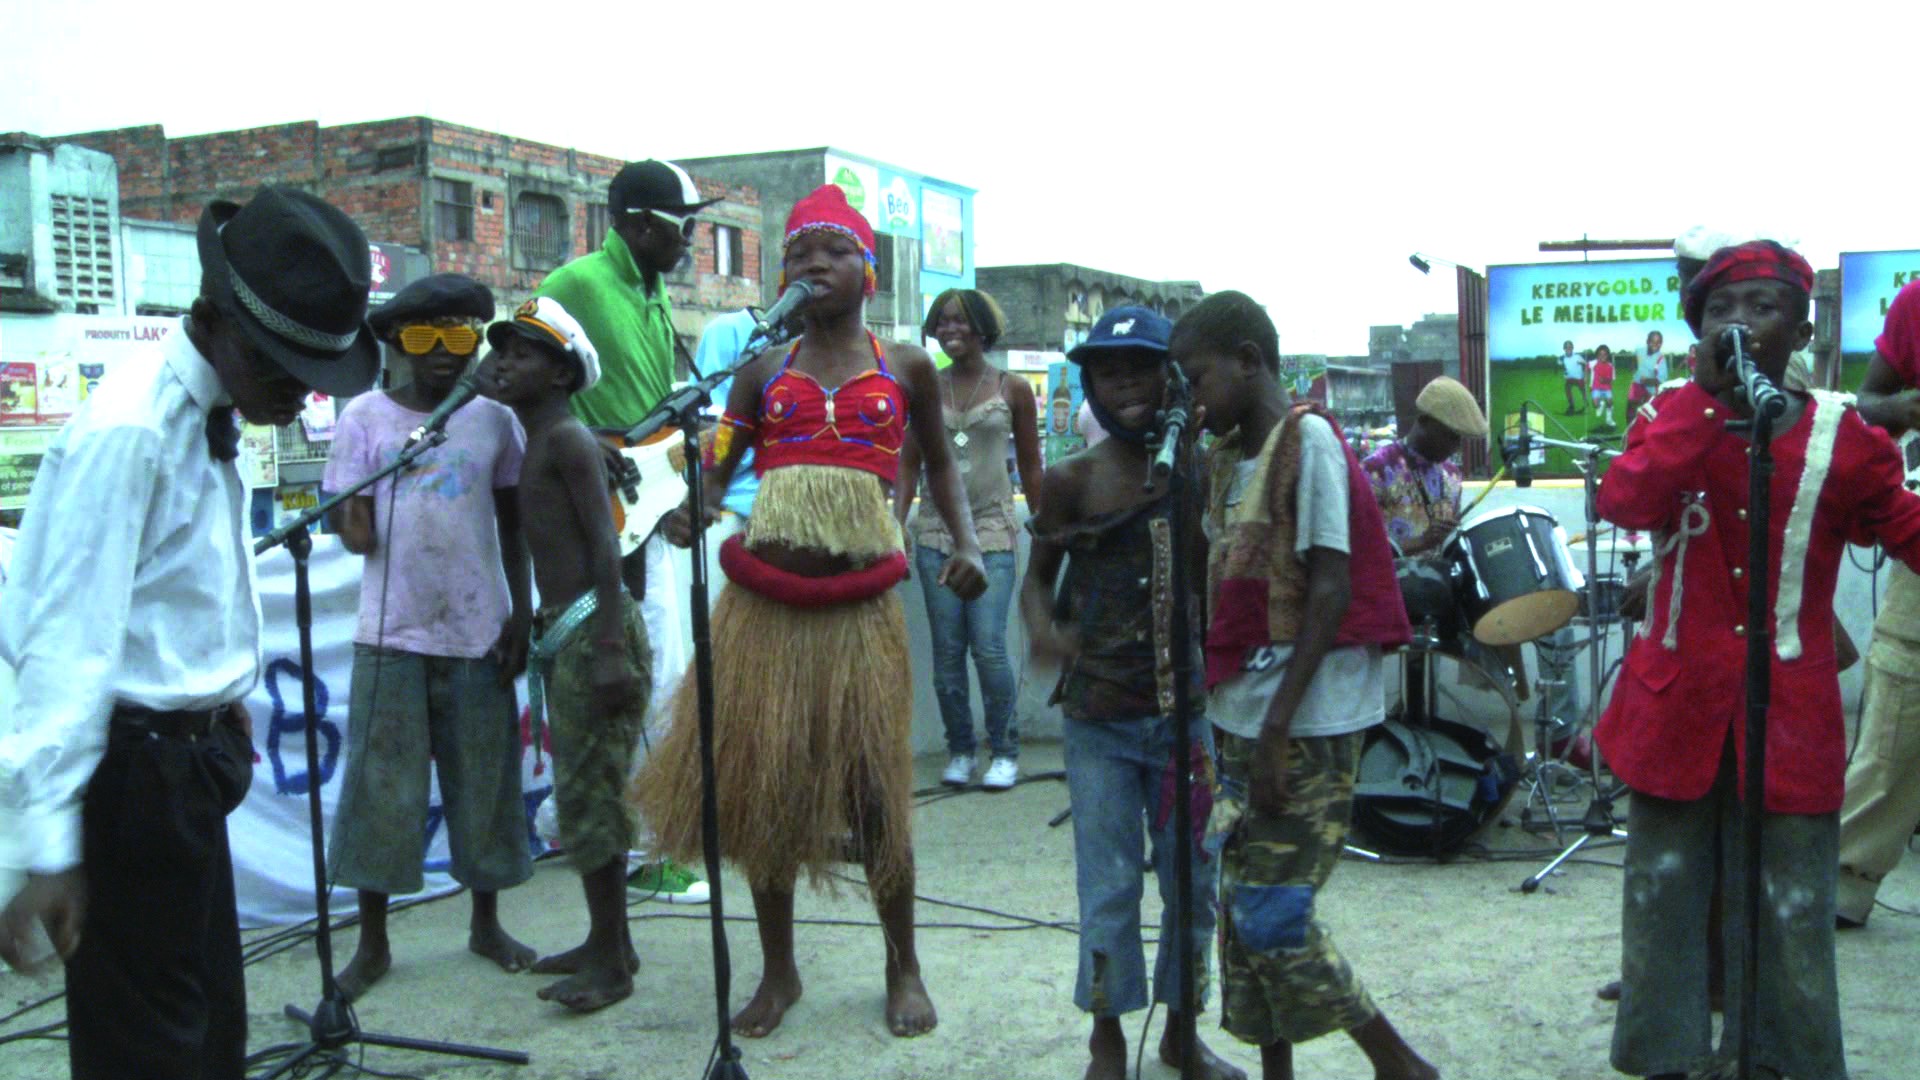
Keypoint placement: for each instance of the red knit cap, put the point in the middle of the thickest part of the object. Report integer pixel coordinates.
(827, 208)
(1755, 260)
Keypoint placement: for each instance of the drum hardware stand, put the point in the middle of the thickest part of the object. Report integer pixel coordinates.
(1598, 823)
(332, 1025)
(1548, 771)
(682, 408)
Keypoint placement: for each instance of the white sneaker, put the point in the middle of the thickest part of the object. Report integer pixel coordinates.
(1001, 774)
(959, 770)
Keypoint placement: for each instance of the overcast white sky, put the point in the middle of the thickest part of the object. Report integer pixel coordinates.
(1297, 152)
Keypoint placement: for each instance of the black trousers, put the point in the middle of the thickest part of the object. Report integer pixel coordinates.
(155, 990)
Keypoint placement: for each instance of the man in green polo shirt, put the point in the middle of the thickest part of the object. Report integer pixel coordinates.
(620, 298)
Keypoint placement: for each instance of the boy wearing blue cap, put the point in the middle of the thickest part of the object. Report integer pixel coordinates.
(1122, 743)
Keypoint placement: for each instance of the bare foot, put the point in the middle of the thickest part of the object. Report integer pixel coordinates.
(1212, 1065)
(573, 961)
(909, 1009)
(770, 1003)
(592, 988)
(362, 972)
(1108, 1048)
(499, 946)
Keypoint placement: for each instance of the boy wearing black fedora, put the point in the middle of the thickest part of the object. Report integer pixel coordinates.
(132, 624)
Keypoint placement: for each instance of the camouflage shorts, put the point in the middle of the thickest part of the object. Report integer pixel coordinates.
(592, 754)
(1281, 977)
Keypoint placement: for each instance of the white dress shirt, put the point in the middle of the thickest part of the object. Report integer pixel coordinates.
(132, 581)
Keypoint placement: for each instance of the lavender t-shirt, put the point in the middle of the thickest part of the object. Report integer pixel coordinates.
(437, 556)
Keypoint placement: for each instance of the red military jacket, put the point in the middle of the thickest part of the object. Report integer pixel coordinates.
(1837, 480)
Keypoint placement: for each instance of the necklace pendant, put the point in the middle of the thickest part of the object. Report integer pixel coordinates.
(960, 439)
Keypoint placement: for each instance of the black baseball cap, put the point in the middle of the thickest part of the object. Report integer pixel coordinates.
(654, 185)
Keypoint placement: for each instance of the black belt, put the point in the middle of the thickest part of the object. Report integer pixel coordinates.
(177, 724)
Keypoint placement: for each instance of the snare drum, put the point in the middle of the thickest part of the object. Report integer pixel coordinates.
(1523, 582)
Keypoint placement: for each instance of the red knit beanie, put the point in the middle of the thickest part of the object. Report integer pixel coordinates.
(827, 208)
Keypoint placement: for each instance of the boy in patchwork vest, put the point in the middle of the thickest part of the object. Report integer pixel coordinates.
(1303, 605)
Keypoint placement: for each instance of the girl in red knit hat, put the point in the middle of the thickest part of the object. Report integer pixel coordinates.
(813, 692)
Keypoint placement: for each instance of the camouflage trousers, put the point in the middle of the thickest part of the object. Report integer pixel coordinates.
(1281, 977)
(592, 752)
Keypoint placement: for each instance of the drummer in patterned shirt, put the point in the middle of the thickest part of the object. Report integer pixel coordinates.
(1414, 479)
(1418, 488)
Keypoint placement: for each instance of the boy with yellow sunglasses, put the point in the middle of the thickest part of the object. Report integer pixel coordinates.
(444, 617)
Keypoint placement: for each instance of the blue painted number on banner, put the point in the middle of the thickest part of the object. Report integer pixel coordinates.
(292, 721)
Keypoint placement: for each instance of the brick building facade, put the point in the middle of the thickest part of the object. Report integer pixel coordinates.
(502, 210)
(1052, 306)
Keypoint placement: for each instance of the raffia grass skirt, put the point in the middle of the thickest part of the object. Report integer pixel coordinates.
(813, 715)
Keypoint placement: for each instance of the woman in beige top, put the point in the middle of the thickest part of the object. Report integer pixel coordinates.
(982, 406)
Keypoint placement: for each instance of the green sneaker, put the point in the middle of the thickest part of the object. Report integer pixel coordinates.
(667, 880)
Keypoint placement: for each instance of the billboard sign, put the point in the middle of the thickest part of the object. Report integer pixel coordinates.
(943, 225)
(860, 181)
(899, 204)
(1869, 280)
(1580, 344)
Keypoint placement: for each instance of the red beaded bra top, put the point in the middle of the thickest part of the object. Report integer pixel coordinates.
(860, 424)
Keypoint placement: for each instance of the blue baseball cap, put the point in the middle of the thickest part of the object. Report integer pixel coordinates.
(1128, 327)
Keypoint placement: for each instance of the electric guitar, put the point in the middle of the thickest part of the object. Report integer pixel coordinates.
(647, 485)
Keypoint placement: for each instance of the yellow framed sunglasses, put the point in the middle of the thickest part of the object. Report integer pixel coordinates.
(419, 339)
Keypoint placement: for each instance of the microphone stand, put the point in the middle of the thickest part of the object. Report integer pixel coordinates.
(682, 408)
(1768, 403)
(1598, 823)
(1166, 464)
(332, 1024)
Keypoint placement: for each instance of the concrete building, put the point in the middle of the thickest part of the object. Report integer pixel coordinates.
(500, 209)
(923, 226)
(1432, 339)
(1052, 306)
(59, 216)
(1416, 355)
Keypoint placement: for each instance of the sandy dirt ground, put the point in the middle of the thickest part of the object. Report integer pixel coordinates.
(1485, 981)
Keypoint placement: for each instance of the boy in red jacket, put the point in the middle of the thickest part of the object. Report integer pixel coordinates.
(1674, 731)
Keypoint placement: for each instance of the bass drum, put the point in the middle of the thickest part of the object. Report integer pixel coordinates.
(1444, 765)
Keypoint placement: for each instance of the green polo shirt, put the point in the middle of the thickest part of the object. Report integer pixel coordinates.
(632, 332)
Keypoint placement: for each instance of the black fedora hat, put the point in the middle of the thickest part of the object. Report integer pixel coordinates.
(293, 272)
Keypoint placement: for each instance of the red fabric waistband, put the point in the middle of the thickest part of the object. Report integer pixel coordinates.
(751, 572)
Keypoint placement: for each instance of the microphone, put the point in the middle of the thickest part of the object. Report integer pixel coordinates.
(1523, 460)
(1173, 424)
(463, 391)
(1761, 394)
(767, 323)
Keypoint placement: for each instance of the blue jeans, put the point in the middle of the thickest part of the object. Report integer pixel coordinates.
(1115, 772)
(979, 626)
